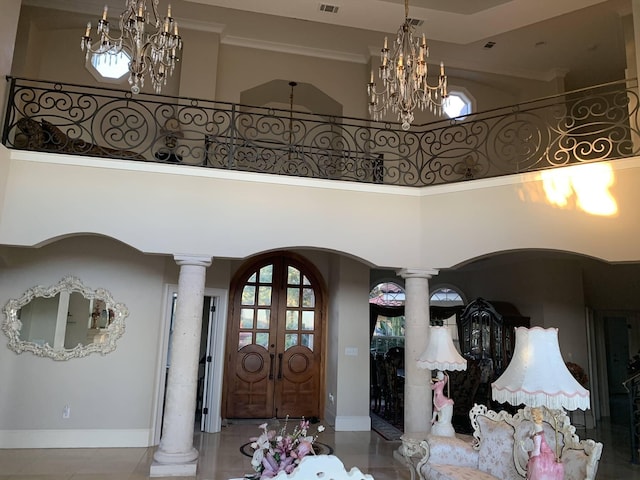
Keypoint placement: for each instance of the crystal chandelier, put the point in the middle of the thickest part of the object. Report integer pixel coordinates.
(403, 71)
(152, 43)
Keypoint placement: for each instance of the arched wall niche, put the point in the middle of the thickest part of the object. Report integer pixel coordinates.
(304, 95)
(511, 256)
(58, 238)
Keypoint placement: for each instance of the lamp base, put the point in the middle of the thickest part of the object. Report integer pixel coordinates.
(442, 426)
(443, 430)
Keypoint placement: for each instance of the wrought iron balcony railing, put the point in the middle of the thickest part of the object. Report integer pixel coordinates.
(599, 123)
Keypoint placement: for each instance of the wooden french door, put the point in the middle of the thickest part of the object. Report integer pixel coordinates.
(274, 340)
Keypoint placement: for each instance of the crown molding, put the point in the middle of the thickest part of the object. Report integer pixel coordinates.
(293, 49)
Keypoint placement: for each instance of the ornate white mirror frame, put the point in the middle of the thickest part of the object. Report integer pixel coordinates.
(102, 334)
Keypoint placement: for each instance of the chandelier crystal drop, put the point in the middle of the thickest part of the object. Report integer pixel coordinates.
(403, 72)
(151, 42)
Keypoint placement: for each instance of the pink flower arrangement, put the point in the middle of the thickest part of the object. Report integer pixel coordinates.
(274, 452)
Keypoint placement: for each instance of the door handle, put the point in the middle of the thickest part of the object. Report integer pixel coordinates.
(271, 367)
(279, 366)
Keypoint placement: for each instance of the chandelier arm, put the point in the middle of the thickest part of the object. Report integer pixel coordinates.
(151, 41)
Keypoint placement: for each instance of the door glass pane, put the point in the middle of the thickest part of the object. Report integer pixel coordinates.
(306, 340)
(305, 280)
(246, 318)
(249, 295)
(252, 278)
(308, 298)
(262, 339)
(293, 297)
(266, 274)
(293, 276)
(308, 320)
(292, 320)
(244, 339)
(263, 318)
(264, 295)
(290, 340)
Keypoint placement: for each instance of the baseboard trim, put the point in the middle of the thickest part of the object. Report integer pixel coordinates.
(352, 423)
(74, 438)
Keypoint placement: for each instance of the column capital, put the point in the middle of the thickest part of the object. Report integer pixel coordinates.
(197, 260)
(417, 272)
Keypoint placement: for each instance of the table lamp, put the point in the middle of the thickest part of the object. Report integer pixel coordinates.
(538, 378)
(441, 355)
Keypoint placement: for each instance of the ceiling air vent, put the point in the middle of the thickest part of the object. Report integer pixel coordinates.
(415, 22)
(324, 7)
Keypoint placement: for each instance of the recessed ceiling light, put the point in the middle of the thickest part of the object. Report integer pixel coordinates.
(489, 44)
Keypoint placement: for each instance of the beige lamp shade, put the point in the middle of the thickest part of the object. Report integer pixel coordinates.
(537, 375)
(441, 353)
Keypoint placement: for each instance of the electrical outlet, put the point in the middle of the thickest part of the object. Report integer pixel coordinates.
(66, 411)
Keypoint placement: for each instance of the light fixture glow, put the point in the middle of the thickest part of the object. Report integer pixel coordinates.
(589, 183)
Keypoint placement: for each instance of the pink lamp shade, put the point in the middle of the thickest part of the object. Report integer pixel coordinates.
(440, 353)
(537, 375)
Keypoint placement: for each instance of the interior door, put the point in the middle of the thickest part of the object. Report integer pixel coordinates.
(207, 328)
(275, 337)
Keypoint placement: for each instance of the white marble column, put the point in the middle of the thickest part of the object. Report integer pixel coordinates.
(417, 388)
(176, 454)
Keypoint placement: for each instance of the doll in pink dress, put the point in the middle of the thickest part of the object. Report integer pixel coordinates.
(440, 400)
(542, 464)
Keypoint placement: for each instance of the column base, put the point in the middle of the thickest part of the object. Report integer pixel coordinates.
(173, 469)
(166, 464)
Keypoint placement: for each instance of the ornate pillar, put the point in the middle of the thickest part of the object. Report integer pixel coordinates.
(417, 388)
(176, 454)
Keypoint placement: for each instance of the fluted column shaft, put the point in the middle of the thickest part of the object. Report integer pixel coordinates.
(417, 388)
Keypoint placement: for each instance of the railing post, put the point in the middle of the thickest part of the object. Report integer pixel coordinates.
(232, 137)
(9, 109)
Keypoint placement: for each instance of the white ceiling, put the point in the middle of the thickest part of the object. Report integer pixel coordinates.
(454, 21)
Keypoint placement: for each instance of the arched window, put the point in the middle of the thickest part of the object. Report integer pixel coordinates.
(386, 302)
(445, 303)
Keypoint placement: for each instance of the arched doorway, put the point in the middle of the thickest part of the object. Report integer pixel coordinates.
(275, 339)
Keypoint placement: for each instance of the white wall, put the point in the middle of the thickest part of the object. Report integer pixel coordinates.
(349, 345)
(440, 227)
(548, 291)
(473, 219)
(110, 396)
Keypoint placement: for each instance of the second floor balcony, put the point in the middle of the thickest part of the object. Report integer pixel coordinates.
(588, 125)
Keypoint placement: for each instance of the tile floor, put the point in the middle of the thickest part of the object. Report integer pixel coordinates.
(220, 457)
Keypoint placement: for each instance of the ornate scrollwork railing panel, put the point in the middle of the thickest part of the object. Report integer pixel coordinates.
(600, 123)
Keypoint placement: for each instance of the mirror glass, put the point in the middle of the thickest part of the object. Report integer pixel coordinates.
(64, 321)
